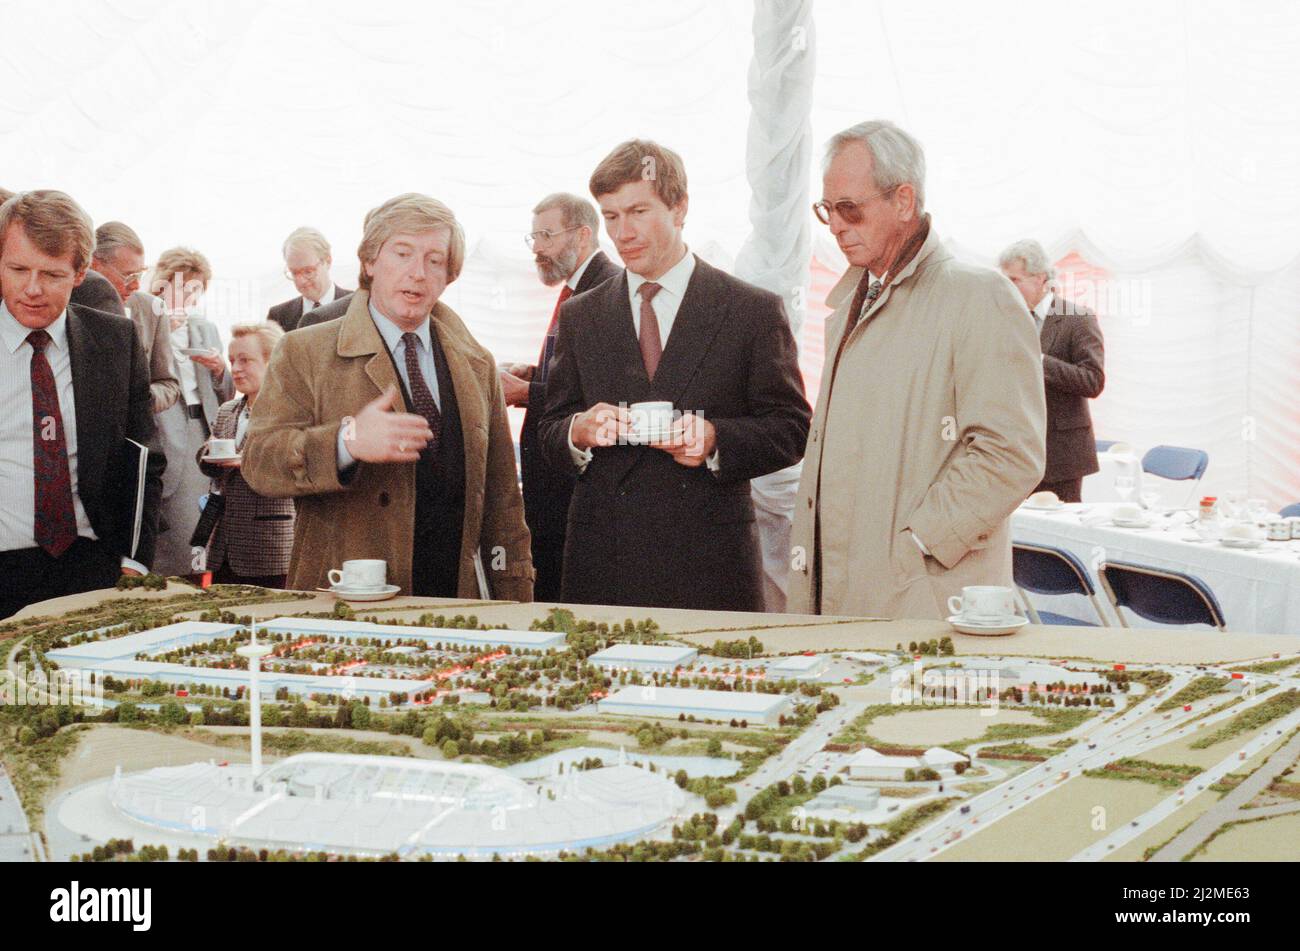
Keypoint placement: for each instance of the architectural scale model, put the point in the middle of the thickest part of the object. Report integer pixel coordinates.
(426, 730)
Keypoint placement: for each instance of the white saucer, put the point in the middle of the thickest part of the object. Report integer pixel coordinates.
(653, 435)
(1006, 625)
(235, 458)
(366, 594)
(1042, 508)
(1243, 543)
(1130, 523)
(194, 352)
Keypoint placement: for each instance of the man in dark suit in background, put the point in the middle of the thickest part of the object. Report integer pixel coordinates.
(567, 251)
(73, 388)
(669, 524)
(307, 263)
(1074, 368)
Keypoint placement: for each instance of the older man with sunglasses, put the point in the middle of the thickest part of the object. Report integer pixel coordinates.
(930, 425)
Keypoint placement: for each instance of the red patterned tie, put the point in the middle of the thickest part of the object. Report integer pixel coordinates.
(56, 520)
(423, 399)
(552, 331)
(651, 346)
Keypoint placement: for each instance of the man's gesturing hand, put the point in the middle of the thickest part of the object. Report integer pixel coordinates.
(599, 426)
(380, 433)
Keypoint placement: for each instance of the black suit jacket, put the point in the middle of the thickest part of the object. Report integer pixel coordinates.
(110, 383)
(289, 314)
(1074, 361)
(547, 488)
(643, 530)
(98, 293)
(331, 311)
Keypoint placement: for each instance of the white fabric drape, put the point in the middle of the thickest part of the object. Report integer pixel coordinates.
(1155, 140)
(775, 256)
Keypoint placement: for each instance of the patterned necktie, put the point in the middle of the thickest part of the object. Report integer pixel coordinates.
(651, 346)
(56, 520)
(420, 394)
(552, 331)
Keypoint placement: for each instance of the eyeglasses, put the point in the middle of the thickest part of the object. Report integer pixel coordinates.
(846, 208)
(128, 277)
(297, 273)
(544, 237)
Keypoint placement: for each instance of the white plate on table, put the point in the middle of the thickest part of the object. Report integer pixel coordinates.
(363, 594)
(1130, 523)
(1245, 544)
(1006, 625)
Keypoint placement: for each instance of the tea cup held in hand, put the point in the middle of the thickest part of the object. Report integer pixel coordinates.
(650, 418)
(983, 603)
(363, 574)
(221, 448)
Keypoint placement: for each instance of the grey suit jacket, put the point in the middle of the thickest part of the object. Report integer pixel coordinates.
(289, 314)
(1074, 371)
(152, 329)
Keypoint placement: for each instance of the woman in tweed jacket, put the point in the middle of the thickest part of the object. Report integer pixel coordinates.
(253, 540)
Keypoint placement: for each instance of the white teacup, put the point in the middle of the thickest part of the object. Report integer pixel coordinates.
(1294, 523)
(652, 417)
(1278, 529)
(1045, 499)
(361, 574)
(220, 448)
(983, 603)
(1127, 512)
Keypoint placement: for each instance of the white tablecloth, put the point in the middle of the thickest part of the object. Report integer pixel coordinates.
(1259, 590)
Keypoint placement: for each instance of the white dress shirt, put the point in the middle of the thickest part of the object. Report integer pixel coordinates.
(1042, 310)
(184, 365)
(576, 276)
(308, 305)
(17, 459)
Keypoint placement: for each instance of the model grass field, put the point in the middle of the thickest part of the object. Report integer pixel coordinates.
(1044, 770)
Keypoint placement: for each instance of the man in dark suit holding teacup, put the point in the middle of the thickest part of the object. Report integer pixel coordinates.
(668, 523)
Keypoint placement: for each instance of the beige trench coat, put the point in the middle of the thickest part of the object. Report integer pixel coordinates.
(321, 374)
(936, 425)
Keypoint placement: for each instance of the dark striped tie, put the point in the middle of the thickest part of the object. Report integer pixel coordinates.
(56, 520)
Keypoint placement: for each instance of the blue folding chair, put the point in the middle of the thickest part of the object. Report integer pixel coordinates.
(1045, 569)
(1104, 444)
(1175, 462)
(1161, 595)
(1291, 511)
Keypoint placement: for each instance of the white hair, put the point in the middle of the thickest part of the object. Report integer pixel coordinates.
(1031, 254)
(309, 239)
(896, 157)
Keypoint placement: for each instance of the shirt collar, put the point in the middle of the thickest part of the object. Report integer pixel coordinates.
(15, 334)
(576, 276)
(1044, 307)
(674, 280)
(326, 298)
(392, 333)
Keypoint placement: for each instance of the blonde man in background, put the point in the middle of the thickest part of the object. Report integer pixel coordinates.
(307, 261)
